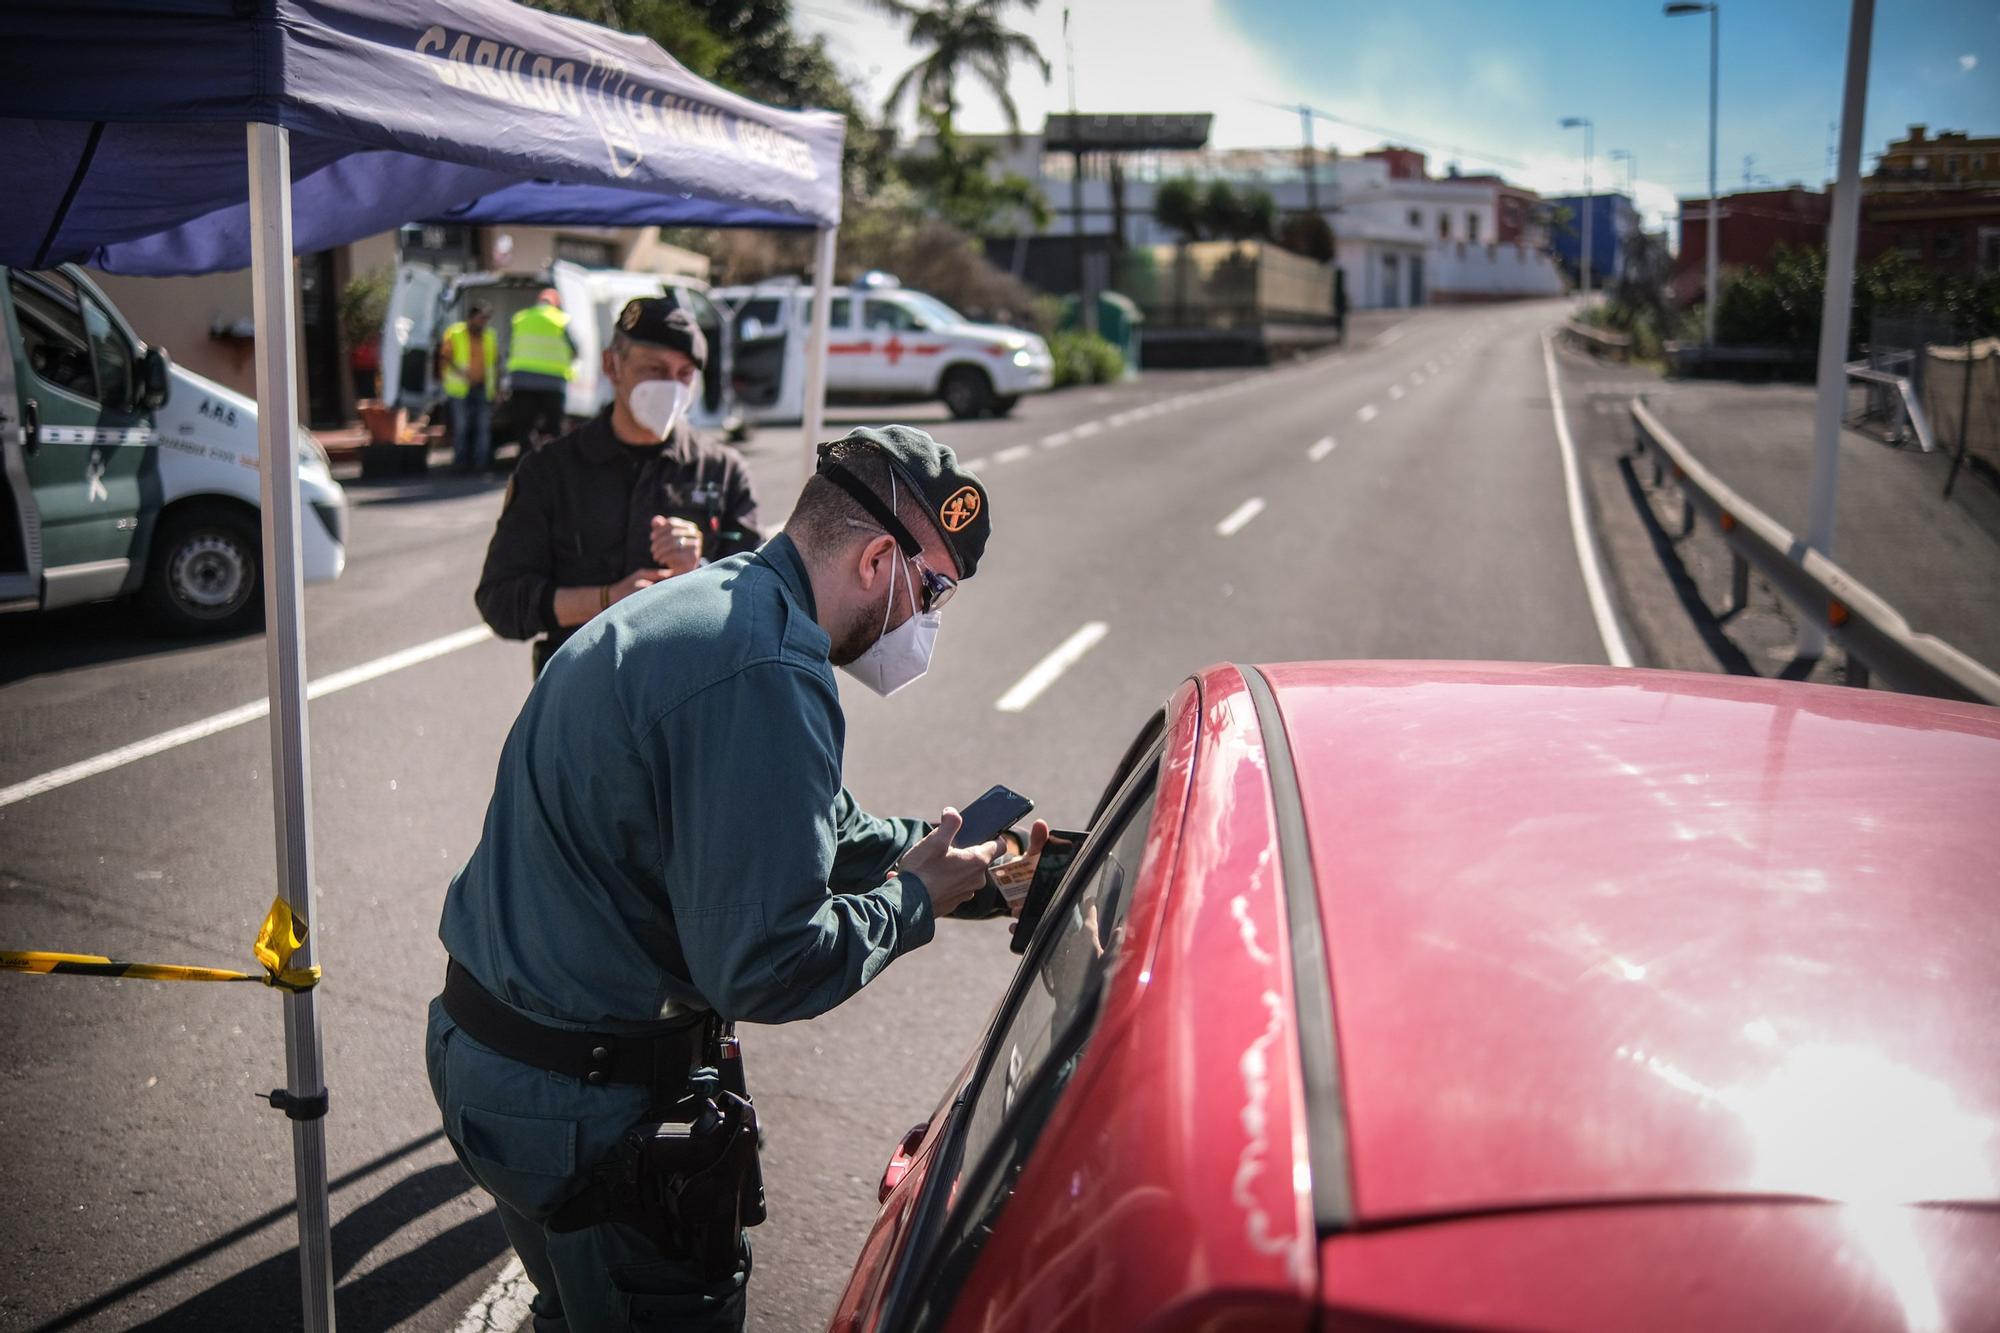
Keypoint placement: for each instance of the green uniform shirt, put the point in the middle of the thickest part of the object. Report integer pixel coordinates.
(668, 826)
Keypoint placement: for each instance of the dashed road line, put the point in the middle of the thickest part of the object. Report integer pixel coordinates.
(1240, 517)
(1368, 413)
(1013, 454)
(1321, 449)
(1058, 440)
(236, 717)
(1088, 429)
(1416, 377)
(1395, 391)
(1050, 669)
(974, 464)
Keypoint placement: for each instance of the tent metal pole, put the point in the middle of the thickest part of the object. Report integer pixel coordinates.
(822, 308)
(272, 309)
(1837, 308)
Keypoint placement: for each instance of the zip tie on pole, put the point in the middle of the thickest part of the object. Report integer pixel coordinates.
(282, 935)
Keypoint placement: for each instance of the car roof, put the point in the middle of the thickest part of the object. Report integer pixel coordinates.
(1601, 935)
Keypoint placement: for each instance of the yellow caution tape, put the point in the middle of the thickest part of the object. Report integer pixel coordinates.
(282, 935)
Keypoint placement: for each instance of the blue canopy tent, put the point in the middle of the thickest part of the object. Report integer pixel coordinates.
(188, 136)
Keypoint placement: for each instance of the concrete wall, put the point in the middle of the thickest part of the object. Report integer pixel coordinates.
(1461, 272)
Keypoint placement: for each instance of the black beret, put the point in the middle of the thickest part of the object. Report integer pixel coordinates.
(658, 322)
(954, 497)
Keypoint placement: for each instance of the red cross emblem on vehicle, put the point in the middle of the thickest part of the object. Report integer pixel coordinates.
(893, 349)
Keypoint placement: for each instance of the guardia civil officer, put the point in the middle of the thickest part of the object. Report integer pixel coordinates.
(630, 498)
(669, 848)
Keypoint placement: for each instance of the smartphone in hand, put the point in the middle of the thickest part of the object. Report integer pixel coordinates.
(996, 811)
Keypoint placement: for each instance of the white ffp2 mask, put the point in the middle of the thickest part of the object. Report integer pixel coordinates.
(902, 654)
(657, 404)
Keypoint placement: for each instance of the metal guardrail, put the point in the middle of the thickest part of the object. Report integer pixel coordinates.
(1594, 340)
(1877, 638)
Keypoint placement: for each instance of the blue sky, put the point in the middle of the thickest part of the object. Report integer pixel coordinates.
(1494, 76)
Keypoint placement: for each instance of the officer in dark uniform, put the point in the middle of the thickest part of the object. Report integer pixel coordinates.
(619, 504)
(669, 849)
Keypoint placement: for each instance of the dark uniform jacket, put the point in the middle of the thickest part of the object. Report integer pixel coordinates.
(579, 513)
(668, 829)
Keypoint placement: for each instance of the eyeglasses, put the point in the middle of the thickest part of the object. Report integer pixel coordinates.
(937, 588)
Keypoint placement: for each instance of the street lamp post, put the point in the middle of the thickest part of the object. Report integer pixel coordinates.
(1714, 12)
(1589, 200)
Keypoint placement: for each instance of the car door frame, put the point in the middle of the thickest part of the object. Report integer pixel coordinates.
(122, 462)
(19, 591)
(1133, 793)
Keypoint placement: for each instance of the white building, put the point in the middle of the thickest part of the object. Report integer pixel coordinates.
(1402, 237)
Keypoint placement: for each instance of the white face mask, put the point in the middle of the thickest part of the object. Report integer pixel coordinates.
(657, 404)
(900, 655)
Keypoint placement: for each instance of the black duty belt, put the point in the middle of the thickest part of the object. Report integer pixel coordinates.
(659, 1060)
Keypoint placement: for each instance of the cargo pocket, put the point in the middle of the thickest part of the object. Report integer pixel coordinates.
(526, 1161)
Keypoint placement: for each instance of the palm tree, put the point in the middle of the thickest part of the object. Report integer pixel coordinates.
(959, 36)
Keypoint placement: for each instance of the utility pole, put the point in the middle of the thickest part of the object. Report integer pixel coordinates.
(1837, 309)
(1310, 159)
(1589, 203)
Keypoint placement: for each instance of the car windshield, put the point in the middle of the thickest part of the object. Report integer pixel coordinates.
(936, 312)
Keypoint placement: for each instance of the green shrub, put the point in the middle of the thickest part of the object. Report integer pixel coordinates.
(1084, 358)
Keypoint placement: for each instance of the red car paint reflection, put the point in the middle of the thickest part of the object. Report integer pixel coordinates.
(1441, 995)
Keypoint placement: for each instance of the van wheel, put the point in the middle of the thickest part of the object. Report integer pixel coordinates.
(1000, 407)
(205, 575)
(967, 392)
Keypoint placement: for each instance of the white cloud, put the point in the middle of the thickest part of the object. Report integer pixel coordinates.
(1968, 62)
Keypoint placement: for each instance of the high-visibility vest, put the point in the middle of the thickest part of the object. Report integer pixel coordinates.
(539, 344)
(458, 359)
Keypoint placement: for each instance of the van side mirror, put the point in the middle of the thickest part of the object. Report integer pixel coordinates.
(154, 385)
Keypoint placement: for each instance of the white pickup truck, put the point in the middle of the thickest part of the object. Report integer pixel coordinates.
(884, 344)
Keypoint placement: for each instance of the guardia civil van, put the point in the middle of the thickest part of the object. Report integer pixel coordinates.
(124, 475)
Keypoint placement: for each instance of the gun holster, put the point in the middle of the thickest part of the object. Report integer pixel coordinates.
(691, 1181)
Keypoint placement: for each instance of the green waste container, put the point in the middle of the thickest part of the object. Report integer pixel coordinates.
(1118, 321)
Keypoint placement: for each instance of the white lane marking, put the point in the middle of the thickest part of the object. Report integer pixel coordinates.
(1014, 454)
(1122, 418)
(1321, 450)
(1088, 429)
(1416, 377)
(1367, 413)
(1240, 516)
(969, 464)
(1395, 391)
(504, 1306)
(236, 717)
(1594, 587)
(1046, 672)
(1057, 440)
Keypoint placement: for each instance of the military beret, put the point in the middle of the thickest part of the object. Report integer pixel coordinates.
(658, 322)
(953, 497)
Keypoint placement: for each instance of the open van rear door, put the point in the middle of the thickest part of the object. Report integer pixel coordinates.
(409, 336)
(589, 329)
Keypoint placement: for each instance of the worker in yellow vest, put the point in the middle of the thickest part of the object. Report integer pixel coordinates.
(541, 361)
(468, 366)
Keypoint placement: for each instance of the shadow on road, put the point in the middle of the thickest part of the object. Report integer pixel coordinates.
(82, 636)
(261, 1296)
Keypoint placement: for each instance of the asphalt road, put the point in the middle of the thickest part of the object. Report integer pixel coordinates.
(1194, 516)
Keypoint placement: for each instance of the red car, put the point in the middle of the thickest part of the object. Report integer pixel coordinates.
(1391, 996)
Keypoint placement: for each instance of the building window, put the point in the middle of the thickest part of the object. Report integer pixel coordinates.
(1472, 227)
(1417, 218)
(1444, 225)
(1989, 246)
(1944, 244)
